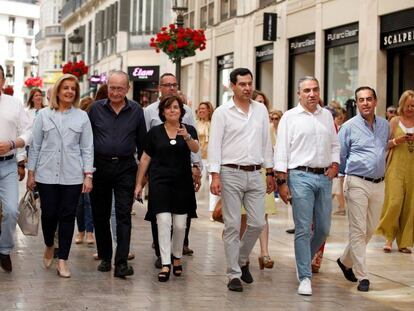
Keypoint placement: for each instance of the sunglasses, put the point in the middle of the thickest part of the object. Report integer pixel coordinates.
(274, 119)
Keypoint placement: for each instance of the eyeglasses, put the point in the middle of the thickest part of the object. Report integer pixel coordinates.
(274, 119)
(169, 85)
(118, 89)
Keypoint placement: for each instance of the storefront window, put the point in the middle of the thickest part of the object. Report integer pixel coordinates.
(264, 70)
(302, 65)
(225, 66)
(342, 73)
(204, 81)
(187, 86)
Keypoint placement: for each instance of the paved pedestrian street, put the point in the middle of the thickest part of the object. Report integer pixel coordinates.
(203, 284)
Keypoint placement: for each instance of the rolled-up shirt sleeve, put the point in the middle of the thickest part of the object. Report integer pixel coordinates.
(335, 150)
(86, 146)
(24, 130)
(268, 150)
(214, 145)
(282, 146)
(36, 144)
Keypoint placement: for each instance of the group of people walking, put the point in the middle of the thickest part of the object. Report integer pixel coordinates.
(117, 148)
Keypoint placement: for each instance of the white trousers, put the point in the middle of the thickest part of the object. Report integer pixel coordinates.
(164, 222)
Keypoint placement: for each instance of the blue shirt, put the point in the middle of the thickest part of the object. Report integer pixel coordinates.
(62, 147)
(363, 149)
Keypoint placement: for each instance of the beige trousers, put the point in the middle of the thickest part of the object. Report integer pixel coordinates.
(364, 200)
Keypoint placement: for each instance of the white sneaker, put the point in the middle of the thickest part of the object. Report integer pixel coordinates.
(305, 287)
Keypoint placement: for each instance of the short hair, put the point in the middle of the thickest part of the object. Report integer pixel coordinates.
(167, 74)
(266, 100)
(54, 100)
(2, 72)
(210, 108)
(239, 72)
(33, 91)
(118, 73)
(166, 102)
(306, 78)
(362, 88)
(85, 103)
(102, 92)
(409, 94)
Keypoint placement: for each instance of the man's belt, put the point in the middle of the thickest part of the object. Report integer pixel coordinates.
(112, 159)
(374, 180)
(248, 168)
(314, 170)
(9, 157)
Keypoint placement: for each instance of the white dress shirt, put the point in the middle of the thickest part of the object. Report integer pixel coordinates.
(239, 138)
(306, 139)
(14, 121)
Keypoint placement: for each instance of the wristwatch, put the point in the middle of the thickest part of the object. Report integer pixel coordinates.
(280, 181)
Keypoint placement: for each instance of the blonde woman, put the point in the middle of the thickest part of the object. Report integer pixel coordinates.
(61, 166)
(397, 219)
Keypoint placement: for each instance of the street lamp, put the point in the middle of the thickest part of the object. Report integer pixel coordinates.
(9, 77)
(33, 65)
(180, 7)
(76, 41)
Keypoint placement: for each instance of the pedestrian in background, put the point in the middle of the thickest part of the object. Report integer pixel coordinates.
(397, 219)
(61, 166)
(363, 140)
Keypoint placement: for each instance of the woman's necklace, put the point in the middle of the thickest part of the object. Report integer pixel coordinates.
(173, 141)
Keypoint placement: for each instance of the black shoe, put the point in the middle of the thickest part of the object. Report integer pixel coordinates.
(164, 276)
(122, 270)
(363, 285)
(290, 231)
(235, 285)
(348, 273)
(187, 251)
(6, 263)
(56, 253)
(105, 266)
(246, 275)
(177, 270)
(157, 263)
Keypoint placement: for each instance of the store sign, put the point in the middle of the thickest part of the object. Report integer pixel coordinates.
(341, 35)
(397, 39)
(269, 27)
(144, 73)
(302, 44)
(264, 53)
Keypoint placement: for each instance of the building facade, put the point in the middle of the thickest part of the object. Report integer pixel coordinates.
(116, 35)
(50, 41)
(344, 43)
(18, 55)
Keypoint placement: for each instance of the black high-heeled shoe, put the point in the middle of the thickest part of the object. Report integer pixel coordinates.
(177, 270)
(164, 276)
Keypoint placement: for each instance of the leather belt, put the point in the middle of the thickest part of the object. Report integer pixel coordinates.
(314, 170)
(114, 158)
(248, 168)
(374, 180)
(9, 157)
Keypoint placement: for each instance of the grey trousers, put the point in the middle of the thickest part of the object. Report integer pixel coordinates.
(247, 189)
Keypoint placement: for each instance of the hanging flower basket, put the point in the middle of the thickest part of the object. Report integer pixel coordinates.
(178, 43)
(33, 82)
(78, 69)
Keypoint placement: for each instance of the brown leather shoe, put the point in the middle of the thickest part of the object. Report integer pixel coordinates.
(6, 263)
(187, 251)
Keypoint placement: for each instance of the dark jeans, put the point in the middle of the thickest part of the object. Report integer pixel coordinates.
(154, 231)
(84, 214)
(58, 204)
(119, 177)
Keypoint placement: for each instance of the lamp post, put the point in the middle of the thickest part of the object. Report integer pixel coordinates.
(9, 77)
(76, 41)
(33, 65)
(179, 6)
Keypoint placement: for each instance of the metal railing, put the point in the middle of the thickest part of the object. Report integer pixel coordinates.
(71, 6)
(49, 31)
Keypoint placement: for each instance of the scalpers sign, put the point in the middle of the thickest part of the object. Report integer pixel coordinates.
(147, 73)
(400, 38)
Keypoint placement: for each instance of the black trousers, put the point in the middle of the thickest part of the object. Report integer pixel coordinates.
(117, 176)
(154, 231)
(58, 204)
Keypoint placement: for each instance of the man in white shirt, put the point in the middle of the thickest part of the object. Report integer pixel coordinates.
(239, 146)
(306, 161)
(169, 86)
(15, 132)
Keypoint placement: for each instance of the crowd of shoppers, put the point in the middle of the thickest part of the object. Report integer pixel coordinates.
(251, 153)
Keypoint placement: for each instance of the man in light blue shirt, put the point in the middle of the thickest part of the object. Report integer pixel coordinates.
(363, 140)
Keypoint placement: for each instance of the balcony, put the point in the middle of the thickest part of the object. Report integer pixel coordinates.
(48, 32)
(71, 6)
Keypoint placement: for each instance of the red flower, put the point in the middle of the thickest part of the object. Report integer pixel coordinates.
(78, 69)
(33, 82)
